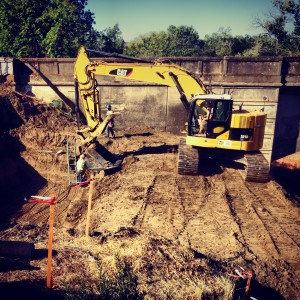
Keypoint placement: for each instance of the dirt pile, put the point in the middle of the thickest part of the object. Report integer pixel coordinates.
(183, 235)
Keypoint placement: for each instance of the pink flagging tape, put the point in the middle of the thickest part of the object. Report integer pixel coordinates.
(42, 199)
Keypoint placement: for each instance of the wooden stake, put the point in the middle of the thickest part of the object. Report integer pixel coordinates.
(50, 239)
(87, 228)
(51, 201)
(248, 285)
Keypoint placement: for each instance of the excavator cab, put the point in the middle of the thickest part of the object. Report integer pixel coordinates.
(220, 115)
(235, 135)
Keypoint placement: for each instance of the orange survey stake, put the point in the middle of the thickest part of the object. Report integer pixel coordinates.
(51, 201)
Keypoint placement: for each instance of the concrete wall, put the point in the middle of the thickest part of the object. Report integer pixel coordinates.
(249, 80)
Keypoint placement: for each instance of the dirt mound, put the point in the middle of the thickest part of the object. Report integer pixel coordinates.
(183, 236)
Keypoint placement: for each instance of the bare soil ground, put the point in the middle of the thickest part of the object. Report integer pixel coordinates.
(182, 234)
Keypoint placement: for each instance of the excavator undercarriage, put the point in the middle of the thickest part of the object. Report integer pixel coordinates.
(254, 166)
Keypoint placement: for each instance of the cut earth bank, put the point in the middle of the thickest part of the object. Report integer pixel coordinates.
(182, 235)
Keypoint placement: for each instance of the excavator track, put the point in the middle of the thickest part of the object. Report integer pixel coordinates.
(256, 168)
(188, 159)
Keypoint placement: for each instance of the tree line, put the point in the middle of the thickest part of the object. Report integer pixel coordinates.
(58, 28)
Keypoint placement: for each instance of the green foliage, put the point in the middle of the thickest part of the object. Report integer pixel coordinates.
(222, 43)
(177, 41)
(58, 28)
(120, 285)
(264, 45)
(219, 43)
(18, 25)
(69, 27)
(109, 40)
(44, 28)
(183, 41)
(61, 106)
(149, 45)
(283, 25)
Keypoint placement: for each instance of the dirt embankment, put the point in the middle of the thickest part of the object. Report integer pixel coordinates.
(179, 232)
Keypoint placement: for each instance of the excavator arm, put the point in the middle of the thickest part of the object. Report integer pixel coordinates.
(85, 72)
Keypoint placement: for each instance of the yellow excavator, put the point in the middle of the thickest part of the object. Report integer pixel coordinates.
(236, 135)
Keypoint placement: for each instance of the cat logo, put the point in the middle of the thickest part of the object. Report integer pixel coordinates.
(121, 72)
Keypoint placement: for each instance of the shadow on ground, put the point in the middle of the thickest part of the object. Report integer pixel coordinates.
(38, 290)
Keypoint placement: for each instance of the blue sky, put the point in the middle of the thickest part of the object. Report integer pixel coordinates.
(136, 17)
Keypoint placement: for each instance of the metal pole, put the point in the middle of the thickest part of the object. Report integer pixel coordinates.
(75, 161)
(68, 159)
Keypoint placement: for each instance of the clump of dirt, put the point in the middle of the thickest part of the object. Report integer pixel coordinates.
(184, 236)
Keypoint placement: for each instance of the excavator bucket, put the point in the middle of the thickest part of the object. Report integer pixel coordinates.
(99, 158)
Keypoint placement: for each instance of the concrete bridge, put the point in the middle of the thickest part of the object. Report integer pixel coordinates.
(269, 82)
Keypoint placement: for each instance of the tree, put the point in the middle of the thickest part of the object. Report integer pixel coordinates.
(110, 40)
(176, 41)
(240, 44)
(219, 43)
(183, 41)
(69, 27)
(152, 44)
(18, 28)
(44, 28)
(263, 45)
(283, 24)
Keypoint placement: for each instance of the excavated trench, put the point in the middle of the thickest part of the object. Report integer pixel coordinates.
(179, 232)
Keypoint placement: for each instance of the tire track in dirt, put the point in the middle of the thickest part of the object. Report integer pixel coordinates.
(139, 218)
(62, 205)
(37, 213)
(280, 219)
(161, 211)
(260, 232)
(191, 199)
(210, 227)
(124, 199)
(192, 210)
(34, 213)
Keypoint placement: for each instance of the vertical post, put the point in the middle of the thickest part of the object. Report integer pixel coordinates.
(298, 141)
(87, 228)
(47, 200)
(76, 101)
(75, 161)
(68, 160)
(50, 239)
(248, 285)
